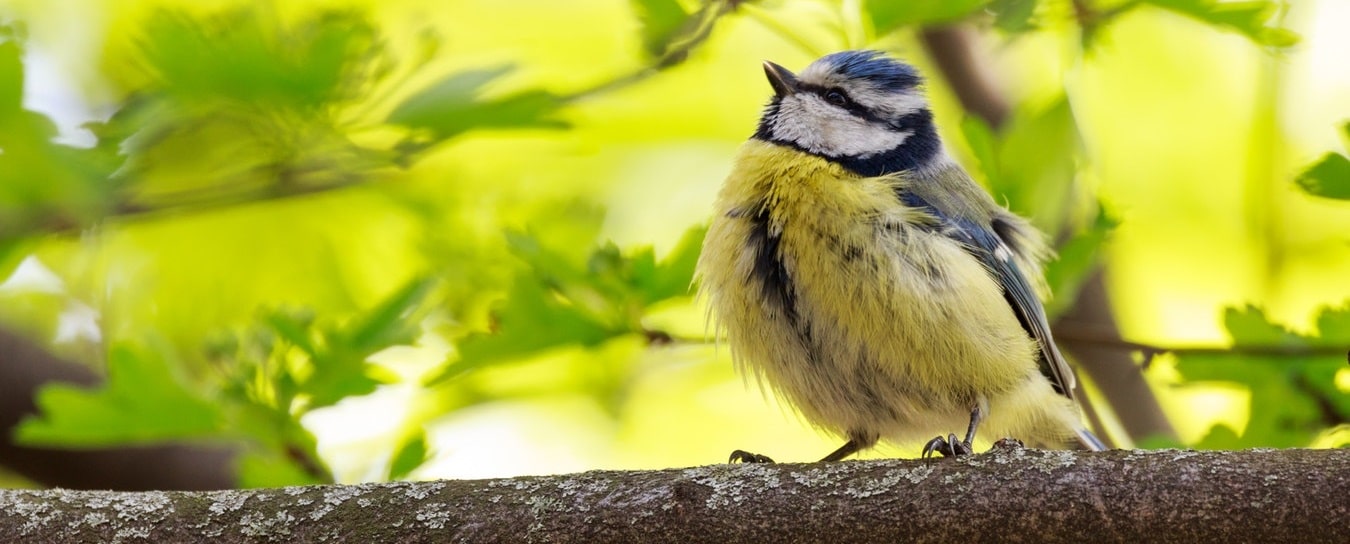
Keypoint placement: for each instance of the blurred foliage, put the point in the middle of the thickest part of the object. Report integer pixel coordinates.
(352, 180)
(1330, 176)
(1291, 376)
(557, 302)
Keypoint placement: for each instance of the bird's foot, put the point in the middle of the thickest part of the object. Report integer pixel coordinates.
(948, 447)
(742, 456)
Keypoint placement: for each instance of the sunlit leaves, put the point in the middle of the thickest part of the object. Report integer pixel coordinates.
(1252, 18)
(1251, 326)
(11, 72)
(248, 55)
(1075, 260)
(241, 106)
(43, 184)
(889, 15)
(294, 361)
(262, 468)
(1290, 376)
(454, 105)
(412, 454)
(1033, 164)
(668, 278)
(1013, 15)
(140, 402)
(661, 20)
(557, 302)
(1330, 176)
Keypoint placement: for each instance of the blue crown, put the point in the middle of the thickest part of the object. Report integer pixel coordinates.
(874, 66)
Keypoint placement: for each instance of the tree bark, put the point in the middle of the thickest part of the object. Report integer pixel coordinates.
(1008, 495)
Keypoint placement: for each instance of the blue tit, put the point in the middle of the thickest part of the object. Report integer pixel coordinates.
(856, 269)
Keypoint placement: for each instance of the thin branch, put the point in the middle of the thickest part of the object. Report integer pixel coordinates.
(954, 49)
(1087, 334)
(699, 27)
(1098, 336)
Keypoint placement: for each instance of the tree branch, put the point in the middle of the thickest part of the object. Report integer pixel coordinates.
(1008, 495)
(952, 49)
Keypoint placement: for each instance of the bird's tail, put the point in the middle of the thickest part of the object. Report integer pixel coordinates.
(1088, 440)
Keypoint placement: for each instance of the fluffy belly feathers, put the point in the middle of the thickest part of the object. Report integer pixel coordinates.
(829, 292)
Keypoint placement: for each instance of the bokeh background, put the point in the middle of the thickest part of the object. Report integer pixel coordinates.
(254, 243)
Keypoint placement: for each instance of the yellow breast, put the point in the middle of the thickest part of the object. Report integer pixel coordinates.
(857, 311)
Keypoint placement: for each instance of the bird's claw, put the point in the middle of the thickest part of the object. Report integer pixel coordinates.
(948, 447)
(742, 456)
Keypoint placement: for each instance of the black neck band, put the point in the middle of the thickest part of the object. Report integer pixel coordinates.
(920, 147)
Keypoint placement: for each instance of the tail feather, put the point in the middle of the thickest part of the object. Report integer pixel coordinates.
(1089, 441)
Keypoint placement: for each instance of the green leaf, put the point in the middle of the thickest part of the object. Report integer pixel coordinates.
(673, 276)
(1013, 16)
(43, 185)
(11, 78)
(318, 358)
(556, 302)
(340, 370)
(140, 402)
(984, 145)
(271, 469)
(412, 454)
(1077, 258)
(1285, 412)
(1319, 380)
(531, 320)
(293, 326)
(661, 21)
(889, 15)
(554, 268)
(1220, 437)
(393, 322)
(1252, 19)
(250, 55)
(1250, 326)
(1295, 391)
(1036, 161)
(1328, 178)
(453, 106)
(12, 253)
(1333, 325)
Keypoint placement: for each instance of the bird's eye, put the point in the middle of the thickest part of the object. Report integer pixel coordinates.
(835, 97)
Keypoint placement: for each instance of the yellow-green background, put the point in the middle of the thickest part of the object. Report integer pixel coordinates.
(1192, 138)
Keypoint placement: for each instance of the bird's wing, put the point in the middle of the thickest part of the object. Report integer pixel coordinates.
(994, 243)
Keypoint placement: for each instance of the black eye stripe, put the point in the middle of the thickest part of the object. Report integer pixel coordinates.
(849, 105)
(824, 92)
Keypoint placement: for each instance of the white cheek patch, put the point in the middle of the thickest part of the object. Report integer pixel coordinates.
(807, 121)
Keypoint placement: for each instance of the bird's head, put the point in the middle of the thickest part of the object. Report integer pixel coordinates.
(860, 108)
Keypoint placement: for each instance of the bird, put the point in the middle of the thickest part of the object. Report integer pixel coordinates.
(857, 270)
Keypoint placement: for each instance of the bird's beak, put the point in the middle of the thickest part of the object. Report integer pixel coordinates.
(784, 82)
